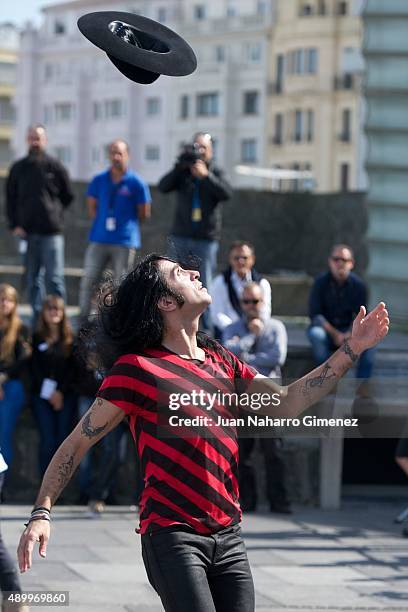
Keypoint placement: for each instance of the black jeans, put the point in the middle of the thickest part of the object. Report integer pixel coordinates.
(197, 573)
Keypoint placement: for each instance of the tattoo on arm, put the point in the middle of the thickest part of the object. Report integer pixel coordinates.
(347, 349)
(65, 470)
(318, 381)
(89, 430)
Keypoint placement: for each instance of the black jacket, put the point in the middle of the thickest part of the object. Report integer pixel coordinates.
(212, 190)
(49, 361)
(37, 191)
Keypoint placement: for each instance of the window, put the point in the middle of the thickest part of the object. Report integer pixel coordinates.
(305, 10)
(184, 104)
(344, 176)
(310, 125)
(63, 154)
(249, 150)
(161, 14)
(153, 106)
(299, 61)
(7, 113)
(321, 7)
(280, 69)
(95, 155)
(63, 111)
(261, 7)
(152, 153)
(48, 72)
(253, 52)
(342, 7)
(97, 111)
(220, 53)
(345, 135)
(207, 104)
(311, 61)
(199, 12)
(7, 73)
(114, 109)
(231, 9)
(297, 136)
(59, 27)
(278, 136)
(251, 103)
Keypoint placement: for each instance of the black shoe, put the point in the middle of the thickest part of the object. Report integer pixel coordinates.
(281, 508)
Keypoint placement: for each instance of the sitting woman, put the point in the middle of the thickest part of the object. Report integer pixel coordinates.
(51, 372)
(14, 348)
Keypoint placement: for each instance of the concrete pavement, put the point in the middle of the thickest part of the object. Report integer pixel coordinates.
(351, 559)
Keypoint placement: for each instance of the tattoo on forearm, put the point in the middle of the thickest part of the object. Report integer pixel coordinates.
(89, 430)
(348, 350)
(318, 381)
(65, 470)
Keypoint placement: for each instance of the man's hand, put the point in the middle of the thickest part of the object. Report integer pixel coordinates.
(255, 326)
(368, 330)
(57, 400)
(199, 169)
(19, 232)
(36, 531)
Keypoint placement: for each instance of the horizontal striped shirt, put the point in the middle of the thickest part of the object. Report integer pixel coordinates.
(190, 474)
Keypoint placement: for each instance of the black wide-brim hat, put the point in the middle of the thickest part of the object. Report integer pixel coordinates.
(142, 49)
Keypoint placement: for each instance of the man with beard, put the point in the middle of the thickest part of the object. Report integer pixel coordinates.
(37, 192)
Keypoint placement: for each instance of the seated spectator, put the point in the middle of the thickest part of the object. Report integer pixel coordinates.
(14, 348)
(227, 287)
(261, 342)
(335, 300)
(51, 368)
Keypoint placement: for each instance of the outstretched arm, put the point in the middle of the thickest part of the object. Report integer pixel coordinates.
(367, 331)
(101, 418)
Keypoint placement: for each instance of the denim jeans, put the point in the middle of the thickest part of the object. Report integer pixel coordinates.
(199, 254)
(54, 426)
(45, 265)
(323, 347)
(10, 409)
(198, 573)
(9, 580)
(98, 257)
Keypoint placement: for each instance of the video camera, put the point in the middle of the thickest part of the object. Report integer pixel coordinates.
(190, 153)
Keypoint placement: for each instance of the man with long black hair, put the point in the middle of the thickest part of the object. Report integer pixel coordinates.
(193, 551)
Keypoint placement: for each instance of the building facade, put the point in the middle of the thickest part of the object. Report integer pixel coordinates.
(8, 74)
(315, 107)
(71, 87)
(386, 92)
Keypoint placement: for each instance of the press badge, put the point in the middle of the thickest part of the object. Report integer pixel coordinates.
(48, 387)
(196, 215)
(110, 224)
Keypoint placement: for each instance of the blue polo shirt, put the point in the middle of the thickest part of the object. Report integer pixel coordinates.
(117, 201)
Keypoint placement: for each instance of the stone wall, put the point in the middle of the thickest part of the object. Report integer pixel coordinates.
(291, 232)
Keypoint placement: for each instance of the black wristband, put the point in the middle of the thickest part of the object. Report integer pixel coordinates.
(41, 508)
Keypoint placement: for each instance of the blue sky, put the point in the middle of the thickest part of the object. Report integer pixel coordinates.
(19, 11)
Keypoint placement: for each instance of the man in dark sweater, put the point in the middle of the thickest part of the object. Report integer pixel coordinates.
(334, 302)
(37, 192)
(200, 187)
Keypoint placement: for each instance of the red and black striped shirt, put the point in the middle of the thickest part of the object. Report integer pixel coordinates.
(190, 479)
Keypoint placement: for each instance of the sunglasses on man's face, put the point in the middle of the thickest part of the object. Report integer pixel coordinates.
(254, 302)
(239, 257)
(343, 259)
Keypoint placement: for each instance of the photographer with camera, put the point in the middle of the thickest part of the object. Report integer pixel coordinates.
(200, 186)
